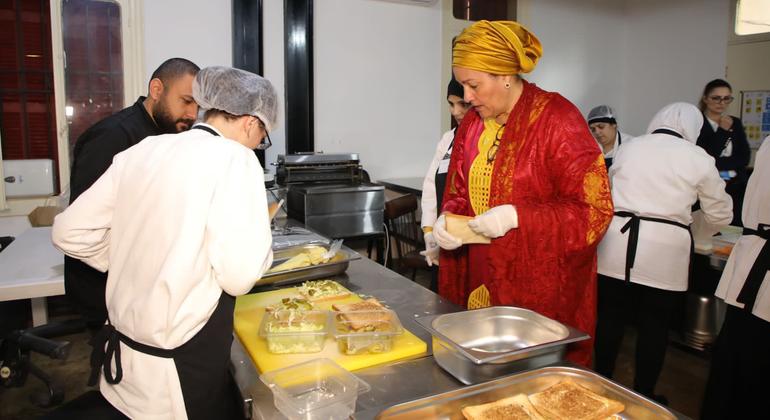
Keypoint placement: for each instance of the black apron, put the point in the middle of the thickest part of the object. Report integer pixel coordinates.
(633, 236)
(202, 362)
(440, 178)
(750, 289)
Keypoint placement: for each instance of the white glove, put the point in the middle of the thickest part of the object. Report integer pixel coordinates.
(495, 222)
(431, 250)
(443, 238)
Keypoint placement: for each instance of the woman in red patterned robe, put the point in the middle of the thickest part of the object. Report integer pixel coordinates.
(525, 166)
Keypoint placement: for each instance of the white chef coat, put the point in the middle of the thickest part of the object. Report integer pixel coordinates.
(756, 210)
(620, 139)
(661, 176)
(176, 219)
(428, 201)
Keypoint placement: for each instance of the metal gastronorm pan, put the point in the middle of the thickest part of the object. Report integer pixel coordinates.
(448, 406)
(483, 344)
(337, 265)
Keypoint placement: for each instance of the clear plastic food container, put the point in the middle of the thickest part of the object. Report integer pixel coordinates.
(318, 389)
(291, 331)
(361, 332)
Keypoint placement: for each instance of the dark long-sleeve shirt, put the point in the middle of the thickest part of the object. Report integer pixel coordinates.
(714, 142)
(93, 154)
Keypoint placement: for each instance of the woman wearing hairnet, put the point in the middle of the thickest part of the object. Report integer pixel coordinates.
(644, 257)
(525, 167)
(435, 179)
(604, 128)
(181, 222)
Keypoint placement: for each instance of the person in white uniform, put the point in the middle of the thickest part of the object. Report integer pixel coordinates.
(181, 223)
(643, 260)
(435, 180)
(740, 364)
(604, 128)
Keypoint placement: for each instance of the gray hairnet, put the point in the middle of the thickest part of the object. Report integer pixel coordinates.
(681, 117)
(237, 92)
(602, 113)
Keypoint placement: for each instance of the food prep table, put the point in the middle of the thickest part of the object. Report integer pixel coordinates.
(391, 384)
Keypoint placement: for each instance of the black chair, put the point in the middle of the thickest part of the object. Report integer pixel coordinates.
(407, 240)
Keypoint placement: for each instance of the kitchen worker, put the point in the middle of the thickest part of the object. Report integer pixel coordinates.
(739, 364)
(168, 108)
(723, 137)
(435, 179)
(180, 221)
(644, 258)
(604, 128)
(525, 166)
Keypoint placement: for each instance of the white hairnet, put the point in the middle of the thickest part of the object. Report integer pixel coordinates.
(237, 92)
(601, 113)
(681, 117)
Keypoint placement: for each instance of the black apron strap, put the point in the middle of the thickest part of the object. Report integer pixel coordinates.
(632, 226)
(667, 131)
(207, 129)
(750, 289)
(106, 348)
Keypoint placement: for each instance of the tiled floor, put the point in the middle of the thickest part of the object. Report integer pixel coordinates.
(682, 381)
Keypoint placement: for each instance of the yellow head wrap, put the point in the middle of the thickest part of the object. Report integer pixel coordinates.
(499, 47)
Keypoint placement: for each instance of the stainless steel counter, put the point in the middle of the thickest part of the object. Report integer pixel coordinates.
(391, 384)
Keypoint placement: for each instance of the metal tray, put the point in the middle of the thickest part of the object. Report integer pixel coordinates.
(483, 344)
(448, 406)
(335, 266)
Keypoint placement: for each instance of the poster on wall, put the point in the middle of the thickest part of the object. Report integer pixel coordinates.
(755, 114)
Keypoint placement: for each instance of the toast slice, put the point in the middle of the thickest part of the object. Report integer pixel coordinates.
(517, 407)
(569, 400)
(457, 226)
(367, 314)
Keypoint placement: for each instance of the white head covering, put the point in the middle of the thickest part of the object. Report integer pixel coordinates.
(681, 117)
(237, 92)
(601, 113)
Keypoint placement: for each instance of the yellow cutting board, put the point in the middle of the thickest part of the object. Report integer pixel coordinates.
(250, 309)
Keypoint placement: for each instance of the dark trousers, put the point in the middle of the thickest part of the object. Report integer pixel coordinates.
(85, 288)
(621, 303)
(740, 367)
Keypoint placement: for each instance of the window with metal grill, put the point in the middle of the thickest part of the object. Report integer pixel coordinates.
(94, 63)
(28, 119)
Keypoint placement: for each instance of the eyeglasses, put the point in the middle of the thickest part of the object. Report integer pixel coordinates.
(720, 99)
(492, 152)
(266, 143)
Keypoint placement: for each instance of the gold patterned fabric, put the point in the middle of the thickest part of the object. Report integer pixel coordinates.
(480, 174)
(599, 199)
(498, 47)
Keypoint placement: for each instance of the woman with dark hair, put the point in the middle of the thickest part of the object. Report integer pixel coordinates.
(723, 137)
(435, 180)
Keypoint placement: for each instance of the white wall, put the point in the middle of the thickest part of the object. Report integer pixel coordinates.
(198, 30)
(673, 49)
(378, 83)
(635, 56)
(581, 41)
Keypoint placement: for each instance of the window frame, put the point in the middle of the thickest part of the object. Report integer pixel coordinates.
(132, 34)
(742, 39)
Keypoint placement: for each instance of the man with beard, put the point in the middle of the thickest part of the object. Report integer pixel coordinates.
(168, 108)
